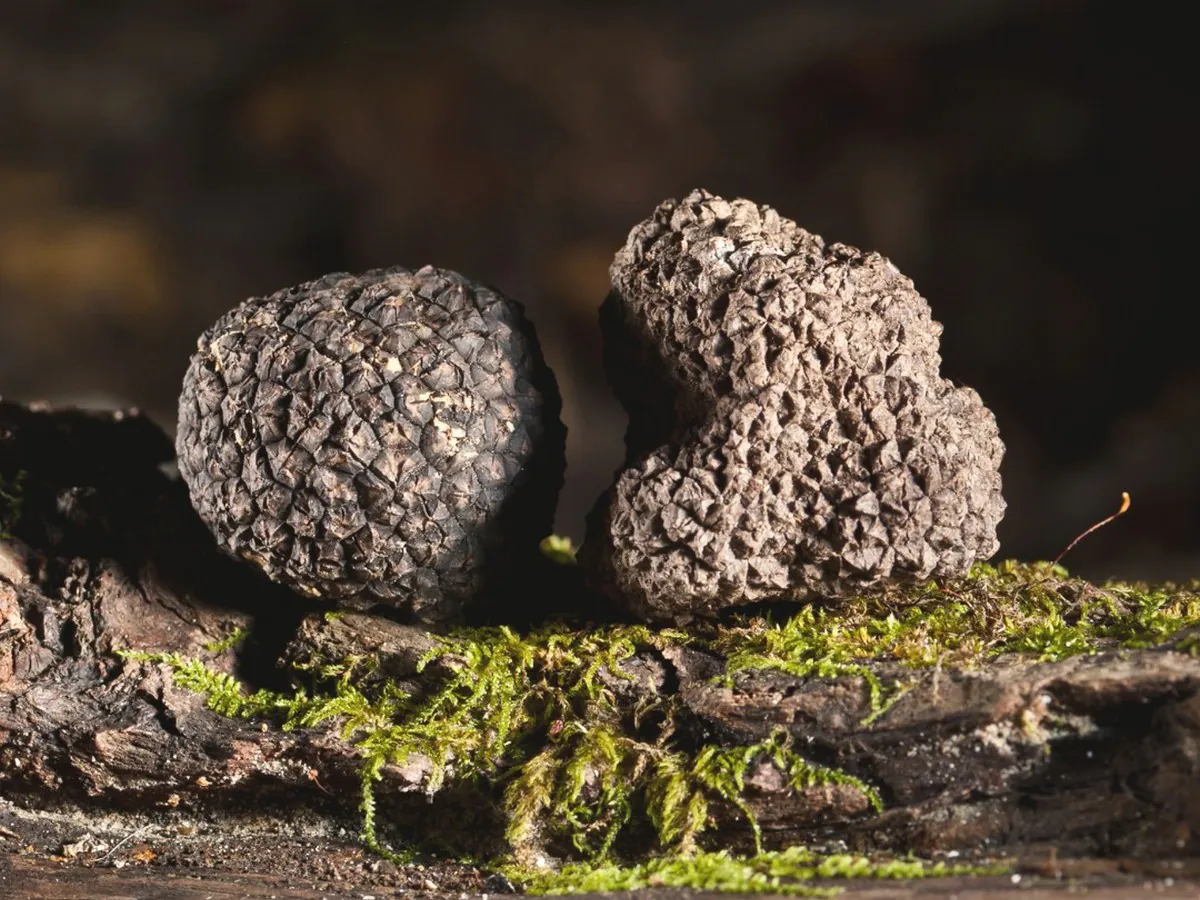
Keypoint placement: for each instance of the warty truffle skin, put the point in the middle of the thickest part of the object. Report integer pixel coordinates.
(391, 437)
(790, 436)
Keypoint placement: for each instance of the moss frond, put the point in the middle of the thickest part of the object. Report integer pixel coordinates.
(1029, 608)
(529, 794)
(558, 548)
(789, 872)
(234, 639)
(223, 693)
(723, 770)
(675, 804)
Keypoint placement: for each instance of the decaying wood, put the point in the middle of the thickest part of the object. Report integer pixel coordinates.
(116, 560)
(41, 880)
(1093, 755)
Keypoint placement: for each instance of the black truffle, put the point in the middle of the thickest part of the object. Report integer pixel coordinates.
(387, 437)
(790, 436)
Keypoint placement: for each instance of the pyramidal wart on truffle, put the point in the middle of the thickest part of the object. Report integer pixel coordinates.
(386, 437)
(790, 435)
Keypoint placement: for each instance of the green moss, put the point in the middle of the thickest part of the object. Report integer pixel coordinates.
(558, 548)
(229, 642)
(537, 714)
(365, 721)
(548, 723)
(1189, 644)
(786, 872)
(1033, 609)
(723, 771)
(223, 693)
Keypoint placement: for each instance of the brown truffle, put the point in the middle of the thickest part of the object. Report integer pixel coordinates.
(790, 435)
(387, 437)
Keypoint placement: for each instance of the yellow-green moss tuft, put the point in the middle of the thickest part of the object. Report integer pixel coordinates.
(559, 548)
(789, 872)
(229, 642)
(1035, 609)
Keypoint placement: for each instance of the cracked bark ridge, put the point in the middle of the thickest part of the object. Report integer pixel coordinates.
(790, 435)
(387, 437)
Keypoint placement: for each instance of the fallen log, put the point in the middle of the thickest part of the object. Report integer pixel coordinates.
(101, 556)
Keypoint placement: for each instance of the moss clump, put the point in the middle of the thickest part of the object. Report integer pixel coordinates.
(1189, 644)
(559, 549)
(786, 872)
(723, 771)
(539, 717)
(1035, 609)
(553, 725)
(223, 693)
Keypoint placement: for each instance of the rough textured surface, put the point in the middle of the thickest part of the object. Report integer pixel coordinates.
(790, 434)
(392, 436)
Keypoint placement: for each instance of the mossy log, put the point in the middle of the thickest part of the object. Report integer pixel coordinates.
(100, 552)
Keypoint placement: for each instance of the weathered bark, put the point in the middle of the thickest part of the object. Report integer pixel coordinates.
(1093, 755)
(41, 880)
(114, 559)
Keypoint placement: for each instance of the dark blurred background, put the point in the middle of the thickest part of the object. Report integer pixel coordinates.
(1031, 165)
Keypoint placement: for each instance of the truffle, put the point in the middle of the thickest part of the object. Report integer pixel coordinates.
(790, 436)
(391, 437)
